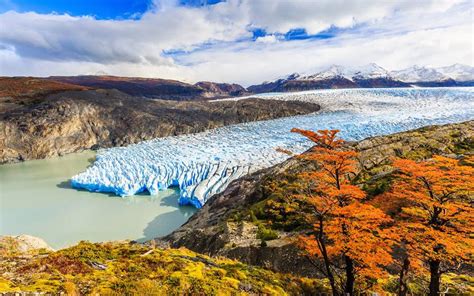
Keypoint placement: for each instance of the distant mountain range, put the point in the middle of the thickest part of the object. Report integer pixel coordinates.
(370, 76)
(155, 87)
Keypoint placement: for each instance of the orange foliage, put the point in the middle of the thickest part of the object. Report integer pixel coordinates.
(437, 217)
(322, 138)
(344, 228)
(433, 200)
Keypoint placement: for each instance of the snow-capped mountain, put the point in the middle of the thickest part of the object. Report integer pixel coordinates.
(370, 76)
(369, 71)
(419, 74)
(335, 76)
(458, 72)
(334, 71)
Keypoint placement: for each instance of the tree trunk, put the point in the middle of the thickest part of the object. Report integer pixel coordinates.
(350, 278)
(327, 263)
(402, 282)
(435, 277)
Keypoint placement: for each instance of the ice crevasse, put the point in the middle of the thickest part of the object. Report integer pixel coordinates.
(204, 164)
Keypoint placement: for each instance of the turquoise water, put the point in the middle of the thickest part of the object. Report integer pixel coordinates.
(36, 199)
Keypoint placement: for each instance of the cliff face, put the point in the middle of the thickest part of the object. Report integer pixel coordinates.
(72, 121)
(222, 227)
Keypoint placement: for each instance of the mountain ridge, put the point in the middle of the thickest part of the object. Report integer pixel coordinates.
(332, 77)
(370, 76)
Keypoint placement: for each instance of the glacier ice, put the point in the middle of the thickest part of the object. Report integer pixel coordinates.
(205, 163)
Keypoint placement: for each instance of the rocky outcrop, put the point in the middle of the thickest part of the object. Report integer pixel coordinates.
(21, 245)
(215, 90)
(215, 230)
(72, 121)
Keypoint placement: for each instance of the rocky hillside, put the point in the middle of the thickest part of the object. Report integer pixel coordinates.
(240, 223)
(223, 90)
(164, 89)
(135, 269)
(75, 120)
(20, 91)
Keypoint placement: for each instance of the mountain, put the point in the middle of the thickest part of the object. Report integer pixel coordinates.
(419, 74)
(214, 89)
(156, 88)
(461, 73)
(165, 89)
(368, 76)
(423, 76)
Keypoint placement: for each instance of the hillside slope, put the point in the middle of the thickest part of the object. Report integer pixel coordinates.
(163, 89)
(134, 269)
(225, 226)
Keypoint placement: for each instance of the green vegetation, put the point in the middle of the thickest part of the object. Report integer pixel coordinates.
(135, 269)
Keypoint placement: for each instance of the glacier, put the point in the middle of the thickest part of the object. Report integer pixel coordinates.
(204, 164)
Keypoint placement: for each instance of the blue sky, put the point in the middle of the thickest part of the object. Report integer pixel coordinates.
(243, 41)
(133, 9)
(104, 9)
(101, 9)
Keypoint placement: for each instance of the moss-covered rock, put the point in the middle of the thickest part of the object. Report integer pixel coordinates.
(135, 269)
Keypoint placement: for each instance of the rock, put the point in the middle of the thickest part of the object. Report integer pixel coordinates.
(214, 90)
(24, 243)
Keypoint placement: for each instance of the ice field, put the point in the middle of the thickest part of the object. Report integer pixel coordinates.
(204, 164)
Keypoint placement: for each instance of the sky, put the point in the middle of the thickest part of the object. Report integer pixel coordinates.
(239, 41)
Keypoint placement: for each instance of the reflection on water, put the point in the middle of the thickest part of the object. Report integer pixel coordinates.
(36, 199)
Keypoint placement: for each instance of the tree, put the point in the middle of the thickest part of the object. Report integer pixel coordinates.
(345, 231)
(437, 217)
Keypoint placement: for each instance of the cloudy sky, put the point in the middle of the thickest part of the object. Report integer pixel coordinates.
(243, 41)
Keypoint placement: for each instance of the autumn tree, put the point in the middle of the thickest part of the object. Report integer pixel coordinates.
(437, 217)
(347, 234)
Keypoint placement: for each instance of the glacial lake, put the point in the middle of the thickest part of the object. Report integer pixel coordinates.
(36, 199)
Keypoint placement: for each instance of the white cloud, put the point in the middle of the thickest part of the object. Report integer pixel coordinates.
(316, 16)
(215, 41)
(267, 39)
